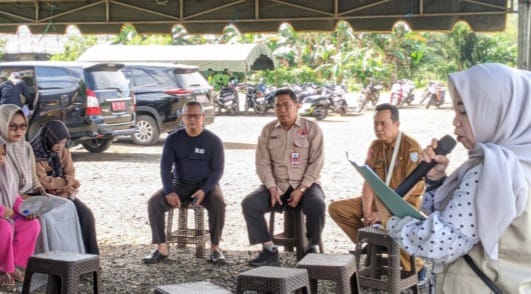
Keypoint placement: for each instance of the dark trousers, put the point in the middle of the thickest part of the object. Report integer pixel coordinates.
(256, 204)
(88, 227)
(213, 203)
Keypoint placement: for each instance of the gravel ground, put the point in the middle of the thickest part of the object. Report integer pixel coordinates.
(118, 183)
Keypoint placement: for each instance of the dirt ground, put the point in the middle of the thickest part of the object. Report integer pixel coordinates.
(118, 183)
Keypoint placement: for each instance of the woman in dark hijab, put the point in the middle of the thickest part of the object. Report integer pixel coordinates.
(56, 173)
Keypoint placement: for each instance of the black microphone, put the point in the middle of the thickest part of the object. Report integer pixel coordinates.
(444, 146)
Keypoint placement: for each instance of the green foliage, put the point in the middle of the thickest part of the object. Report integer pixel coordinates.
(344, 56)
(74, 47)
(2, 47)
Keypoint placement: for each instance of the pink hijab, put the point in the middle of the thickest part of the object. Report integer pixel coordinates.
(497, 99)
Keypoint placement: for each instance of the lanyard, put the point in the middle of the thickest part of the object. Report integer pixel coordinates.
(393, 159)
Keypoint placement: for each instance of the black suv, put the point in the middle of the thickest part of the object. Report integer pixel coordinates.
(92, 99)
(161, 89)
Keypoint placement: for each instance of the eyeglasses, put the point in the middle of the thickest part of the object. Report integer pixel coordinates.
(193, 115)
(15, 127)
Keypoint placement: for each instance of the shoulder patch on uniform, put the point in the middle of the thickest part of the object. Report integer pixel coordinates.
(414, 156)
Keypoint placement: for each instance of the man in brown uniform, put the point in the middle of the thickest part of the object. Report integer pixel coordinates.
(289, 158)
(355, 213)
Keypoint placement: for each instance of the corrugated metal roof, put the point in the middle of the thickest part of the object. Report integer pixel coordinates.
(159, 16)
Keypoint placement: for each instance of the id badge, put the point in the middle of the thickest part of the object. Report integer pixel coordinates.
(295, 158)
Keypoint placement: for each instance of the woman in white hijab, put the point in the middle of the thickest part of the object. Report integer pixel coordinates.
(18, 233)
(482, 209)
(60, 229)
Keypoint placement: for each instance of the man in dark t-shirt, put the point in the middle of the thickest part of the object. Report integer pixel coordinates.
(191, 166)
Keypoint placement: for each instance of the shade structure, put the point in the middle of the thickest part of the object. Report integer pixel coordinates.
(202, 16)
(236, 58)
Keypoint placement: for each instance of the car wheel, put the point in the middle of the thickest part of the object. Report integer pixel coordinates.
(148, 131)
(97, 145)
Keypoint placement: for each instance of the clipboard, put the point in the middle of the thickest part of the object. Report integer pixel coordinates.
(396, 204)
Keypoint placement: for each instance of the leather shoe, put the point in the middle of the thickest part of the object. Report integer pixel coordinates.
(311, 249)
(154, 257)
(364, 247)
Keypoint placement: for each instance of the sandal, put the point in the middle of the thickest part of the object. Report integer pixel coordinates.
(18, 276)
(6, 280)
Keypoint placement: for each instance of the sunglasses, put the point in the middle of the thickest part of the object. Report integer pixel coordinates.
(15, 127)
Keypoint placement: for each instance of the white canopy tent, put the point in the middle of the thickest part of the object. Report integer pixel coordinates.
(236, 58)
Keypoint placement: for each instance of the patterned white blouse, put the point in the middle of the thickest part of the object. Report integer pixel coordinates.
(447, 234)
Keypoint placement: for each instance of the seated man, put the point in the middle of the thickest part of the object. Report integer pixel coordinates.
(195, 157)
(355, 213)
(289, 158)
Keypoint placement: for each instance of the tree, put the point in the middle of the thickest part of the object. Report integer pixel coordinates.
(74, 47)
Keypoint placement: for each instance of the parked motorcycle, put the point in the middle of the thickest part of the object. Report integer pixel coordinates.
(435, 93)
(317, 105)
(338, 103)
(250, 97)
(228, 99)
(402, 92)
(369, 94)
(264, 99)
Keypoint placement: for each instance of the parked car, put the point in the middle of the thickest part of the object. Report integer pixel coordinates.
(92, 99)
(161, 89)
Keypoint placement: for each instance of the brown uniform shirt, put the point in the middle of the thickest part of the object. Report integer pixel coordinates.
(408, 158)
(291, 157)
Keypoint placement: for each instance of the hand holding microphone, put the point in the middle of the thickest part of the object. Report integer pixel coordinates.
(442, 147)
(429, 155)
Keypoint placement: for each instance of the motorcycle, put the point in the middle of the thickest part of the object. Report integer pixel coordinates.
(402, 92)
(338, 103)
(371, 94)
(250, 98)
(435, 93)
(228, 99)
(316, 105)
(264, 99)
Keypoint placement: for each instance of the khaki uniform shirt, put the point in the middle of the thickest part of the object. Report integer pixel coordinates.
(291, 157)
(408, 158)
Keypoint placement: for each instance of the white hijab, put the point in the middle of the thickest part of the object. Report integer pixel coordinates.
(8, 187)
(18, 156)
(498, 105)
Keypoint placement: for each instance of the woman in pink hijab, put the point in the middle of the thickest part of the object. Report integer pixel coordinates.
(481, 211)
(18, 234)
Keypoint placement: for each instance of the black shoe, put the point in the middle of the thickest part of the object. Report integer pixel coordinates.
(217, 257)
(311, 249)
(364, 247)
(154, 257)
(265, 257)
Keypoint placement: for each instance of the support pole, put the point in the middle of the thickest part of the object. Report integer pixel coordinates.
(524, 34)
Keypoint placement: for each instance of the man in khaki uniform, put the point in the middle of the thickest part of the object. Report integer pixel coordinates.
(355, 213)
(289, 158)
